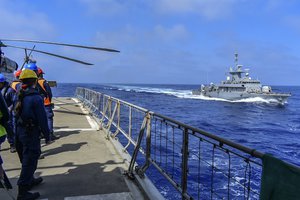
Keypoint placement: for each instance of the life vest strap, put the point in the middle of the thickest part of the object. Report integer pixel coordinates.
(47, 100)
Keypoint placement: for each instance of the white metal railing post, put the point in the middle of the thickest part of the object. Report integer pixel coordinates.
(118, 119)
(141, 171)
(129, 173)
(129, 128)
(104, 112)
(111, 118)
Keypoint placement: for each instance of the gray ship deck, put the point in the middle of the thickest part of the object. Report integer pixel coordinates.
(81, 165)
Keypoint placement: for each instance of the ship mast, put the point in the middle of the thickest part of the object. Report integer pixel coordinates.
(237, 73)
(236, 55)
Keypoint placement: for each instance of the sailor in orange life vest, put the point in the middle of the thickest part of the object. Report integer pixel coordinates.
(31, 121)
(47, 100)
(46, 93)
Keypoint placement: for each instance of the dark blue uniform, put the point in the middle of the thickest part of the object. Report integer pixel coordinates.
(3, 119)
(48, 108)
(4, 90)
(10, 98)
(48, 89)
(46, 92)
(8, 94)
(31, 122)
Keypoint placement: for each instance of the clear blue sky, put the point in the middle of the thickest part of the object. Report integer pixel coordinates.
(161, 41)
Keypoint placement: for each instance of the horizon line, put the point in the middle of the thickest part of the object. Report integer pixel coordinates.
(152, 84)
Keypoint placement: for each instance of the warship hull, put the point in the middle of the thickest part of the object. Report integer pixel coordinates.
(239, 86)
(235, 96)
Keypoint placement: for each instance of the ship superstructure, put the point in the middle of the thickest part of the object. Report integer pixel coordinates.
(239, 85)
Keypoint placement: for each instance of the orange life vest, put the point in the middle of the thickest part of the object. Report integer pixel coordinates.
(14, 84)
(47, 100)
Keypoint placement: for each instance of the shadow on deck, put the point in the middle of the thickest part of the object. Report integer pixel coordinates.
(82, 164)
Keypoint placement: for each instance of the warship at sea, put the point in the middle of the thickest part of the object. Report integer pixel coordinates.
(109, 148)
(238, 86)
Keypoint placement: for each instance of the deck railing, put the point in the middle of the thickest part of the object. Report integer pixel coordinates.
(198, 164)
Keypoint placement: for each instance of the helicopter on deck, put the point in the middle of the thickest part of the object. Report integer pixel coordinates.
(8, 66)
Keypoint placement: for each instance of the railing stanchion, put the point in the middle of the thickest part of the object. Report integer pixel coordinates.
(112, 115)
(102, 125)
(185, 157)
(148, 147)
(118, 118)
(129, 128)
(137, 148)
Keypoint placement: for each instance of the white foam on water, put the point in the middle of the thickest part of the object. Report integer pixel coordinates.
(187, 94)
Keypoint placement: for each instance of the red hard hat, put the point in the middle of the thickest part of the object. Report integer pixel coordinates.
(40, 71)
(18, 73)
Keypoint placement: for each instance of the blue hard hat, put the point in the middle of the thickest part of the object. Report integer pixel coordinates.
(31, 66)
(2, 78)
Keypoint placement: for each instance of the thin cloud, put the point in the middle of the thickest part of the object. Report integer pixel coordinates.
(160, 41)
(268, 62)
(15, 23)
(145, 55)
(208, 9)
(174, 33)
(104, 7)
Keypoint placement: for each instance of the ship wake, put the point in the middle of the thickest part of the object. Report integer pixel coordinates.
(187, 94)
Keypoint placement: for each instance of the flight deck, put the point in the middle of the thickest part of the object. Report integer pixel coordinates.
(81, 165)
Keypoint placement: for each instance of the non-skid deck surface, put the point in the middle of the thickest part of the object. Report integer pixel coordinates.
(81, 165)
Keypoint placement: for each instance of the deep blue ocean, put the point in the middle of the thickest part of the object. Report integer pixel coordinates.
(255, 123)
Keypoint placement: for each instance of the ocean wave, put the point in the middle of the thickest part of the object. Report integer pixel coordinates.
(187, 94)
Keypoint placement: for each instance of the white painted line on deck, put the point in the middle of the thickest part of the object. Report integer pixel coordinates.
(92, 123)
(76, 100)
(56, 107)
(73, 129)
(81, 106)
(66, 103)
(112, 196)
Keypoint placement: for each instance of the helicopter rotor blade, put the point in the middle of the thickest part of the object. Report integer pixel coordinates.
(31, 51)
(63, 44)
(50, 54)
(27, 57)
